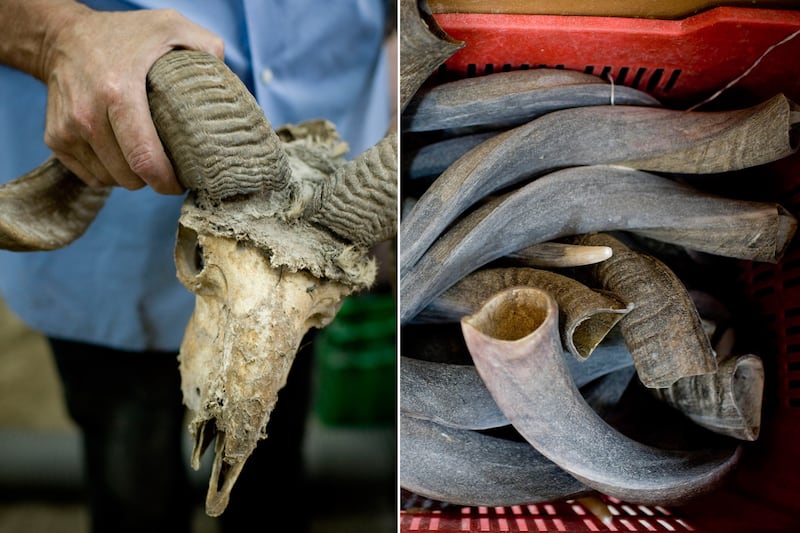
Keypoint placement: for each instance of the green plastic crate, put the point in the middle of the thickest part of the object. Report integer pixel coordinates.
(356, 363)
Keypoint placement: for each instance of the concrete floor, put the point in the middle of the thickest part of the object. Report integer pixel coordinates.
(353, 470)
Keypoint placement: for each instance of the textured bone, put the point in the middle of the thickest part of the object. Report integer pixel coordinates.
(239, 345)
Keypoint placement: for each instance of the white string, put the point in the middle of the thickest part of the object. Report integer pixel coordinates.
(746, 72)
(611, 79)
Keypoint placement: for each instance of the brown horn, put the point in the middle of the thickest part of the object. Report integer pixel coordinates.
(359, 202)
(214, 131)
(47, 208)
(217, 137)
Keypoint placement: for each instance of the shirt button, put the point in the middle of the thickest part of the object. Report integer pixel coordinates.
(266, 76)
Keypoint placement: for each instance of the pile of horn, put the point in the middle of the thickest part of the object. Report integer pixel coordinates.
(541, 213)
(275, 232)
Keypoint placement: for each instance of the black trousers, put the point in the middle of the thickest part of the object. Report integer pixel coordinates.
(129, 408)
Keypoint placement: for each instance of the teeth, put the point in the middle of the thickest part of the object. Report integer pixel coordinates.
(223, 474)
(203, 436)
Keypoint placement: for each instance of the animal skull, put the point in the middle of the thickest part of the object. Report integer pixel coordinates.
(239, 346)
(275, 232)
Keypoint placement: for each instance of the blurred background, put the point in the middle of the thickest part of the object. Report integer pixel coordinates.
(350, 446)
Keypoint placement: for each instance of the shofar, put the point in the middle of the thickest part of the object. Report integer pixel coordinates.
(664, 331)
(511, 98)
(515, 344)
(470, 468)
(585, 316)
(643, 138)
(453, 395)
(601, 198)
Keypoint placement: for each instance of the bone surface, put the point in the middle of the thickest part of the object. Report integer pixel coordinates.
(239, 345)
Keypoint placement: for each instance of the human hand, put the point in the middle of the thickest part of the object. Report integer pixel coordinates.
(98, 119)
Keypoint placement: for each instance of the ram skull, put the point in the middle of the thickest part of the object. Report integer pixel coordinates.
(275, 232)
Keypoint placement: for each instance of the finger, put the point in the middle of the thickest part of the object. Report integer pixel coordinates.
(193, 36)
(77, 168)
(109, 155)
(140, 145)
(68, 133)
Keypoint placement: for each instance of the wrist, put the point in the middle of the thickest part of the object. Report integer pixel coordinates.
(30, 30)
(54, 23)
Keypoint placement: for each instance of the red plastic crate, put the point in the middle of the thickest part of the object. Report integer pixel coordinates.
(680, 62)
(683, 63)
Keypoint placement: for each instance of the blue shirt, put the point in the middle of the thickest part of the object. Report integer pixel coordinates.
(116, 285)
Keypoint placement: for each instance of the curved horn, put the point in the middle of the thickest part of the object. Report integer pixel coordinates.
(213, 130)
(454, 395)
(472, 468)
(639, 200)
(514, 342)
(424, 46)
(216, 135)
(512, 98)
(47, 208)
(645, 138)
(663, 331)
(585, 315)
(359, 202)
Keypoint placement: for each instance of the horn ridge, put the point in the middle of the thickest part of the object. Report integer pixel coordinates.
(215, 133)
(359, 202)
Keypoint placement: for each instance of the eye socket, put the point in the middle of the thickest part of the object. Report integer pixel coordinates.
(199, 262)
(189, 258)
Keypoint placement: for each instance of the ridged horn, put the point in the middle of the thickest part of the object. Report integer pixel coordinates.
(214, 131)
(217, 137)
(359, 202)
(664, 331)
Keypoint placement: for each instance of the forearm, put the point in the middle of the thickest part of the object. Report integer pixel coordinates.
(28, 28)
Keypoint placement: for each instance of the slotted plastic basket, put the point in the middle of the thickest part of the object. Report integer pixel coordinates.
(749, 55)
